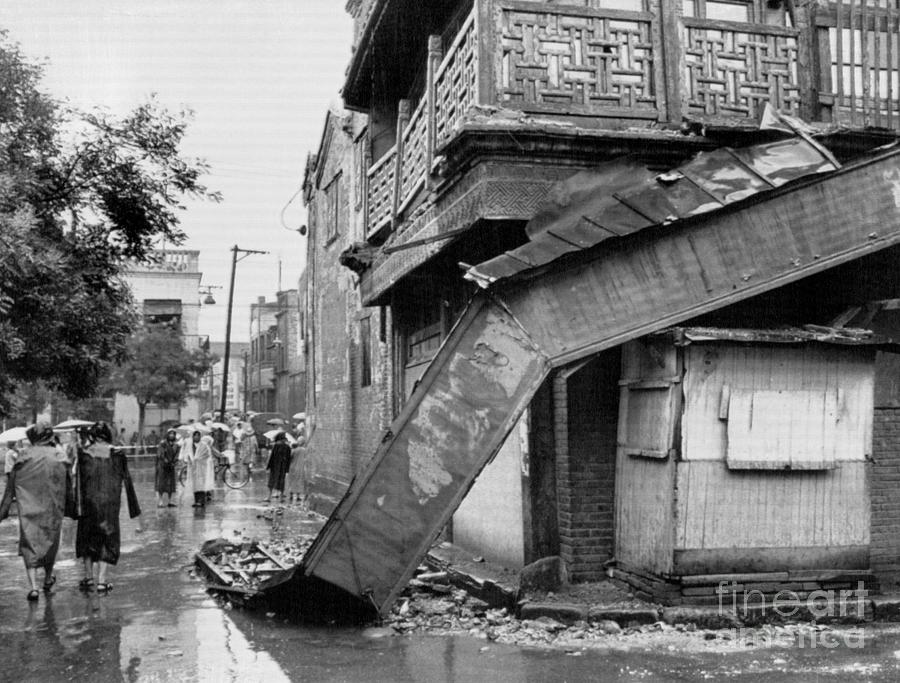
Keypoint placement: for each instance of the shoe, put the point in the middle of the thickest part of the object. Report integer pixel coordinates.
(103, 588)
(49, 584)
(172, 505)
(86, 585)
(32, 596)
(160, 505)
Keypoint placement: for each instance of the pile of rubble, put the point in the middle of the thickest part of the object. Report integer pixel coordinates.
(431, 606)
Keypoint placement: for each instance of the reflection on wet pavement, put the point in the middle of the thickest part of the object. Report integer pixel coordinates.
(159, 624)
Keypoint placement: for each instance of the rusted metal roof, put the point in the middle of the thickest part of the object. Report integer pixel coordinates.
(623, 197)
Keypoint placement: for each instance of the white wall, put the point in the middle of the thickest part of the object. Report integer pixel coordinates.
(489, 522)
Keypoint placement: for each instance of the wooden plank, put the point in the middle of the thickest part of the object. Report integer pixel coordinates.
(763, 559)
(268, 553)
(211, 568)
(718, 507)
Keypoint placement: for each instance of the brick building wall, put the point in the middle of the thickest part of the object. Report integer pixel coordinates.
(347, 408)
(586, 419)
(885, 495)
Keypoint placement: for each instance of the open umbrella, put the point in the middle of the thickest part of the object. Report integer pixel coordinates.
(73, 424)
(13, 434)
(299, 416)
(270, 435)
(275, 421)
(219, 425)
(184, 430)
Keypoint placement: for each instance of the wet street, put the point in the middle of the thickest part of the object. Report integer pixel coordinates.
(159, 624)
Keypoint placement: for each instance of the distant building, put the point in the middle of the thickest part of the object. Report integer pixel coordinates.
(290, 364)
(211, 382)
(261, 362)
(166, 291)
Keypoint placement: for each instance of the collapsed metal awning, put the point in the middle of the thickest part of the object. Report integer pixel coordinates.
(583, 285)
(623, 197)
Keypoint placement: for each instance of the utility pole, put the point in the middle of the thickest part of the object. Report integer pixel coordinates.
(234, 261)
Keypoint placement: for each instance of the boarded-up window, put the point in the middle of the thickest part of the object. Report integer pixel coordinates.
(788, 429)
(647, 426)
(649, 396)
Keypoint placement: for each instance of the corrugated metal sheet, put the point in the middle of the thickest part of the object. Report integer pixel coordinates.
(622, 197)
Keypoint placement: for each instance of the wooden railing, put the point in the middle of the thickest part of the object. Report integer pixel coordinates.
(456, 81)
(414, 164)
(588, 63)
(858, 46)
(380, 205)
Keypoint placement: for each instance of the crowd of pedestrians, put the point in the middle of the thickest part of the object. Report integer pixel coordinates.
(83, 478)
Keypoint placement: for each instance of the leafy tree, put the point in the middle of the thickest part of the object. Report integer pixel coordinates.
(81, 195)
(159, 369)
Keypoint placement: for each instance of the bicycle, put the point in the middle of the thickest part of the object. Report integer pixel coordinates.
(233, 475)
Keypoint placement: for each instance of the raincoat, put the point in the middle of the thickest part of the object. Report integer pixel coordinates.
(166, 456)
(102, 472)
(41, 481)
(279, 464)
(201, 468)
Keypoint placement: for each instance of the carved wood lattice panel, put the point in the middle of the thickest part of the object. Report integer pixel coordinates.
(735, 72)
(587, 63)
(456, 82)
(413, 165)
(381, 191)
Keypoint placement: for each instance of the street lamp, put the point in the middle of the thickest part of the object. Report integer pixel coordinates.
(207, 289)
(234, 261)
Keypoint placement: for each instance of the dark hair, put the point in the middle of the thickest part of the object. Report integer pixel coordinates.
(280, 436)
(100, 431)
(39, 433)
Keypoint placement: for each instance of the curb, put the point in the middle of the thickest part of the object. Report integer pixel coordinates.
(877, 609)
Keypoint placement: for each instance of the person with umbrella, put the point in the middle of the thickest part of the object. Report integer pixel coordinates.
(278, 466)
(101, 474)
(166, 457)
(40, 483)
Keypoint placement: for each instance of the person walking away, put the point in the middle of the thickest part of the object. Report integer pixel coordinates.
(40, 481)
(278, 465)
(102, 473)
(166, 457)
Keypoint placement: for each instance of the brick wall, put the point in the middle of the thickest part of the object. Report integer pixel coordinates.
(885, 495)
(347, 419)
(586, 419)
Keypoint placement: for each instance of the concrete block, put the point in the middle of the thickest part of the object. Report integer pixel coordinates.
(564, 613)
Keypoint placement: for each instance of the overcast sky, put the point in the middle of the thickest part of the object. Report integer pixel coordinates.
(259, 75)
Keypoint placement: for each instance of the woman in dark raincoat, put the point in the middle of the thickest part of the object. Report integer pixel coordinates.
(102, 472)
(279, 464)
(40, 482)
(166, 457)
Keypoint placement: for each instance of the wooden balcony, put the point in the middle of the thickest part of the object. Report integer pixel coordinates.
(612, 69)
